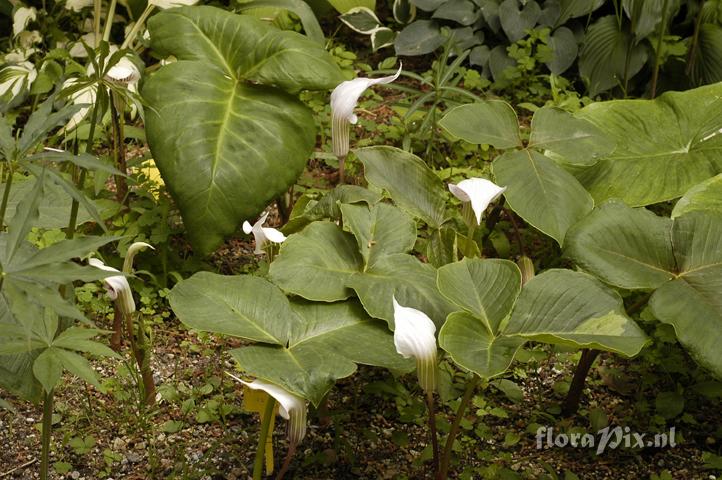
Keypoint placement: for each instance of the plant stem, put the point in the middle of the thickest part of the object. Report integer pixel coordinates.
(109, 20)
(265, 424)
(6, 196)
(137, 26)
(446, 456)
(657, 57)
(116, 115)
(342, 169)
(287, 462)
(47, 427)
(97, 7)
(695, 41)
(432, 430)
(574, 396)
(72, 223)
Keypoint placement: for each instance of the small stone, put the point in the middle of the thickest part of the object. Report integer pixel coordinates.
(134, 457)
(75, 475)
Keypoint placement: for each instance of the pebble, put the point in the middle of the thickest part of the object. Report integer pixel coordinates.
(75, 475)
(134, 457)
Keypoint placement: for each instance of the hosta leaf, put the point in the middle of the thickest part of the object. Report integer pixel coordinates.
(576, 8)
(645, 15)
(692, 302)
(626, 247)
(492, 122)
(541, 192)
(225, 142)
(577, 140)
(343, 6)
(419, 38)
(411, 184)
(707, 63)
(608, 57)
(517, 19)
(664, 146)
(706, 196)
(361, 20)
(485, 288)
(317, 263)
(564, 50)
(412, 282)
(379, 230)
(572, 308)
(241, 306)
(470, 344)
(463, 12)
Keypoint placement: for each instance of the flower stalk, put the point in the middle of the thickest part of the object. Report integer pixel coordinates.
(263, 438)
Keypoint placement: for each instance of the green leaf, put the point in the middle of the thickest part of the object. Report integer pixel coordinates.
(412, 282)
(707, 62)
(576, 8)
(241, 306)
(575, 139)
(48, 368)
(485, 288)
(78, 366)
(225, 141)
(361, 20)
(470, 344)
(317, 262)
(664, 146)
(298, 7)
(572, 308)
(692, 302)
(707, 196)
(411, 184)
(419, 38)
(25, 218)
(563, 45)
(609, 57)
(343, 6)
(492, 122)
(645, 15)
(626, 247)
(517, 19)
(379, 230)
(463, 12)
(63, 251)
(541, 192)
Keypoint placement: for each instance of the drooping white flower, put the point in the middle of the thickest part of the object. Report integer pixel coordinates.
(263, 235)
(84, 96)
(78, 5)
(415, 336)
(291, 407)
(165, 4)
(123, 71)
(22, 17)
(15, 78)
(117, 287)
(479, 191)
(343, 101)
(78, 49)
(134, 248)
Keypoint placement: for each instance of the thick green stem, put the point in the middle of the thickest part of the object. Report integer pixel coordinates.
(109, 20)
(6, 196)
(47, 427)
(97, 7)
(658, 56)
(265, 424)
(432, 431)
(74, 207)
(446, 456)
(116, 114)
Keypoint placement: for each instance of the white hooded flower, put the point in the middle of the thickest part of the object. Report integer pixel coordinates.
(343, 101)
(15, 78)
(22, 17)
(132, 251)
(85, 96)
(479, 191)
(78, 5)
(78, 49)
(291, 407)
(262, 234)
(415, 336)
(117, 287)
(124, 71)
(165, 4)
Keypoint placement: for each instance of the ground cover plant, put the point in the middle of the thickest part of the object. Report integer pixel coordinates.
(239, 242)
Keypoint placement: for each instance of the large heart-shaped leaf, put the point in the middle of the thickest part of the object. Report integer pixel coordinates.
(227, 142)
(517, 19)
(541, 192)
(576, 8)
(572, 308)
(492, 122)
(626, 247)
(609, 56)
(707, 62)
(664, 146)
(380, 230)
(486, 290)
(692, 302)
(563, 45)
(578, 141)
(412, 283)
(419, 38)
(317, 263)
(411, 184)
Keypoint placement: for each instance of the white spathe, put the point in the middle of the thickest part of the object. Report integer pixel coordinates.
(479, 191)
(22, 17)
(415, 336)
(124, 71)
(344, 99)
(16, 78)
(117, 287)
(78, 5)
(165, 4)
(290, 406)
(263, 235)
(134, 248)
(78, 49)
(85, 96)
